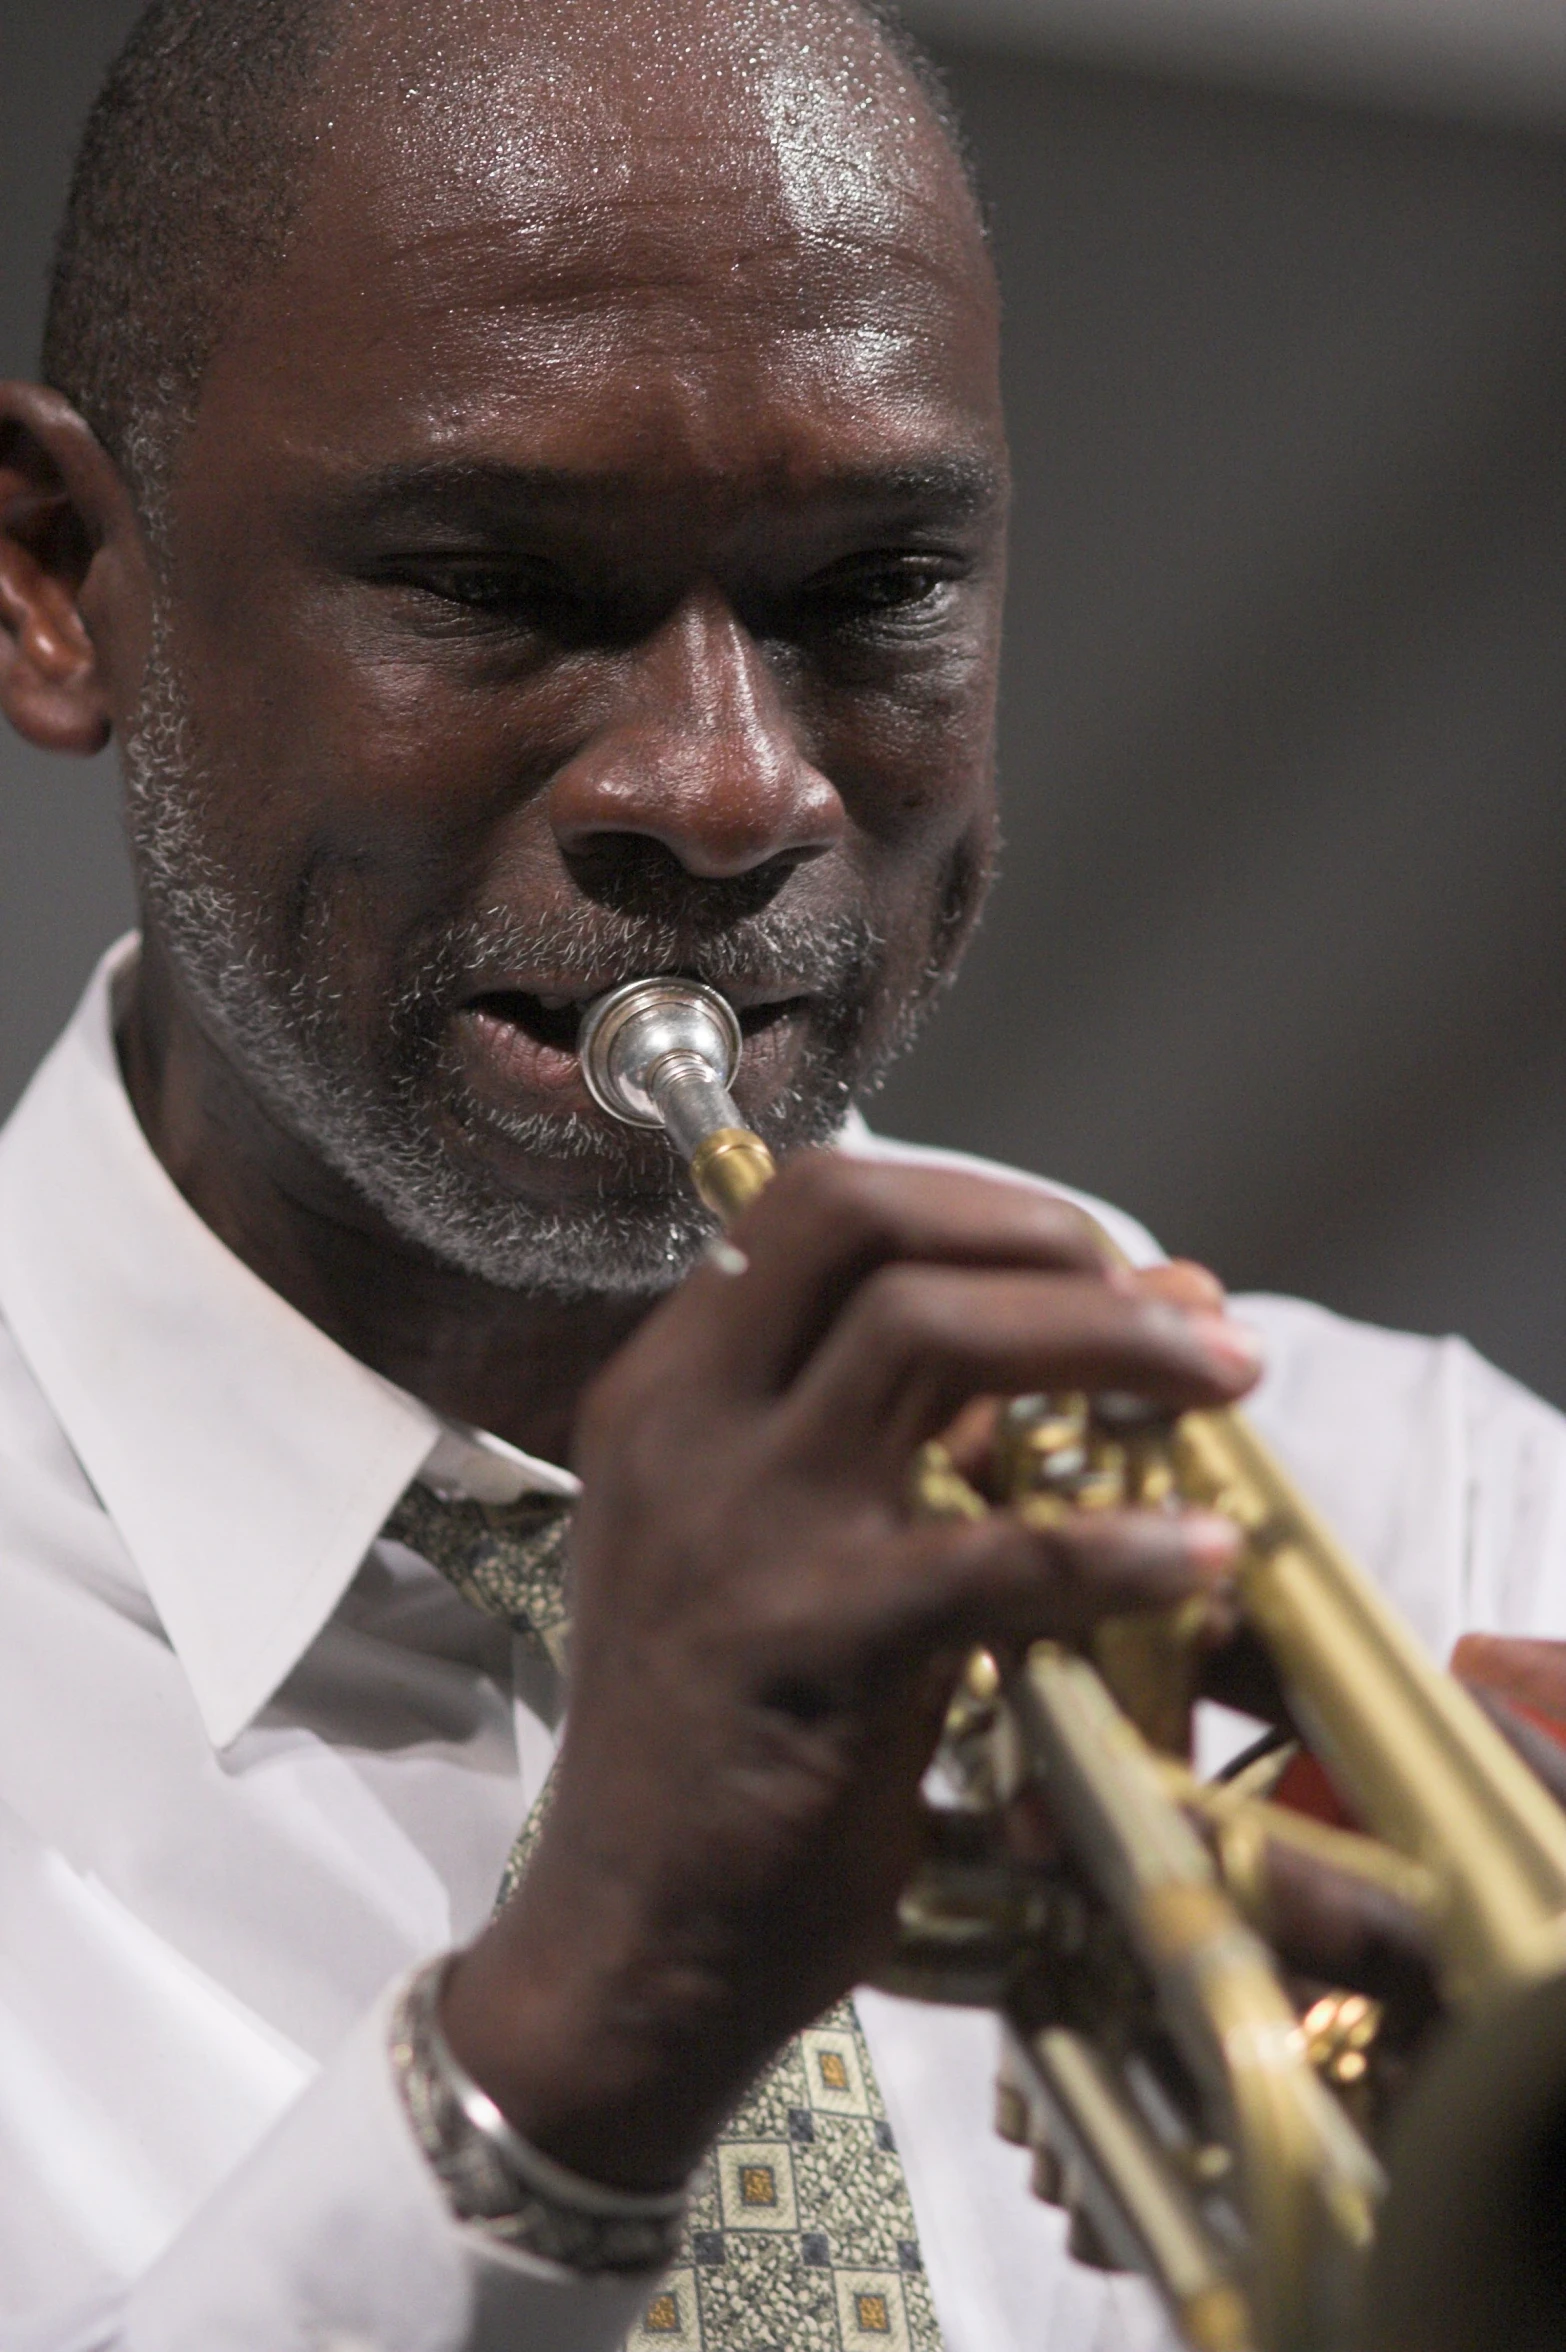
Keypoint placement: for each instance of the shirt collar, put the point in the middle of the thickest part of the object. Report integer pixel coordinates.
(247, 1461)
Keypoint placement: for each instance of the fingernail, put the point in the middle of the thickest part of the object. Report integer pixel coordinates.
(722, 1254)
(1211, 1541)
(1234, 1347)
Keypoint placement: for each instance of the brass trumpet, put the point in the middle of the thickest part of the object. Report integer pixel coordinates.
(1152, 2055)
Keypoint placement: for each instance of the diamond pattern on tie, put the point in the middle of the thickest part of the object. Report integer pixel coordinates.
(801, 2236)
(508, 1559)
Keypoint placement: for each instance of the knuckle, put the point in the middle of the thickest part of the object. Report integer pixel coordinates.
(819, 1177)
(895, 1310)
(978, 1568)
(853, 1199)
(1070, 1231)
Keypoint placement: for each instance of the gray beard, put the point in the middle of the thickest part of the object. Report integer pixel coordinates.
(373, 1123)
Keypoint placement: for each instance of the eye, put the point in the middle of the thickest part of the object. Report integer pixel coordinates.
(503, 588)
(884, 588)
(490, 586)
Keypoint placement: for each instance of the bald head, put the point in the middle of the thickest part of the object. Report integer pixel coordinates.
(200, 155)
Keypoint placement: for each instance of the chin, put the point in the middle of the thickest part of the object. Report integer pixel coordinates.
(604, 1250)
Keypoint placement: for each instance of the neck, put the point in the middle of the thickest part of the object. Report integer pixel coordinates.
(514, 1362)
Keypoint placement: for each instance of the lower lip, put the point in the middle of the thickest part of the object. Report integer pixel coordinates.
(523, 1064)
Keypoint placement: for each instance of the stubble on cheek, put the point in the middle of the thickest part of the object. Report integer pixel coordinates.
(337, 1006)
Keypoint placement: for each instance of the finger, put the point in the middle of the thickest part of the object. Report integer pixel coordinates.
(970, 1440)
(998, 1581)
(918, 1342)
(1184, 1284)
(1344, 1931)
(827, 1223)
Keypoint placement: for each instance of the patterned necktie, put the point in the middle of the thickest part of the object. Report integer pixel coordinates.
(801, 2237)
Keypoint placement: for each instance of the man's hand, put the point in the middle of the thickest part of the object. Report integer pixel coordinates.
(765, 1637)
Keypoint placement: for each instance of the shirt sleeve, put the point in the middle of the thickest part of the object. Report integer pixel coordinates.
(334, 2236)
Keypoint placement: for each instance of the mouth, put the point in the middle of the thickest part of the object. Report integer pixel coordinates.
(531, 1035)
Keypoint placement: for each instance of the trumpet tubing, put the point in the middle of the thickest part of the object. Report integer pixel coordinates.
(1152, 2054)
(1421, 1765)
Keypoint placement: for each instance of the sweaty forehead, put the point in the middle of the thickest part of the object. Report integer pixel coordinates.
(796, 110)
(617, 221)
(580, 150)
(600, 222)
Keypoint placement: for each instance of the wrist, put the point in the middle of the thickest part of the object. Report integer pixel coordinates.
(620, 2075)
(496, 2180)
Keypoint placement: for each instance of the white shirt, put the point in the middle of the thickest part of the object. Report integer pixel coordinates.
(255, 1765)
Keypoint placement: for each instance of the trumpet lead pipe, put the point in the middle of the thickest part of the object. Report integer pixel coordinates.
(663, 1053)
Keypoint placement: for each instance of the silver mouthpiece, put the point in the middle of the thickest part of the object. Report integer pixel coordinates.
(662, 1053)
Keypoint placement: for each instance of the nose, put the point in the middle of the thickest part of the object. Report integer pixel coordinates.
(699, 756)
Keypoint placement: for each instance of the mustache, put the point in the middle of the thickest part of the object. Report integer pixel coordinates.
(830, 955)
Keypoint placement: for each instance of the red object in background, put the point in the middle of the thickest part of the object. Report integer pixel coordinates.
(1305, 1788)
(1529, 1675)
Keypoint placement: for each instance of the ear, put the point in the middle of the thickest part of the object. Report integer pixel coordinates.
(66, 520)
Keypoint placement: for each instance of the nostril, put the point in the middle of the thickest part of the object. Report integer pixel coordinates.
(715, 836)
(632, 874)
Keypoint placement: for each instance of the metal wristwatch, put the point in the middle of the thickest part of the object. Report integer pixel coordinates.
(494, 2180)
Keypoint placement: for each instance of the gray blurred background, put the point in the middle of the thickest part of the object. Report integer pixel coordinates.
(1279, 956)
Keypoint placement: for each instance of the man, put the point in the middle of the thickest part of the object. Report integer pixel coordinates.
(525, 488)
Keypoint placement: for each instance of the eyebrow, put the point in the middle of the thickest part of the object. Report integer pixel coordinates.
(482, 494)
